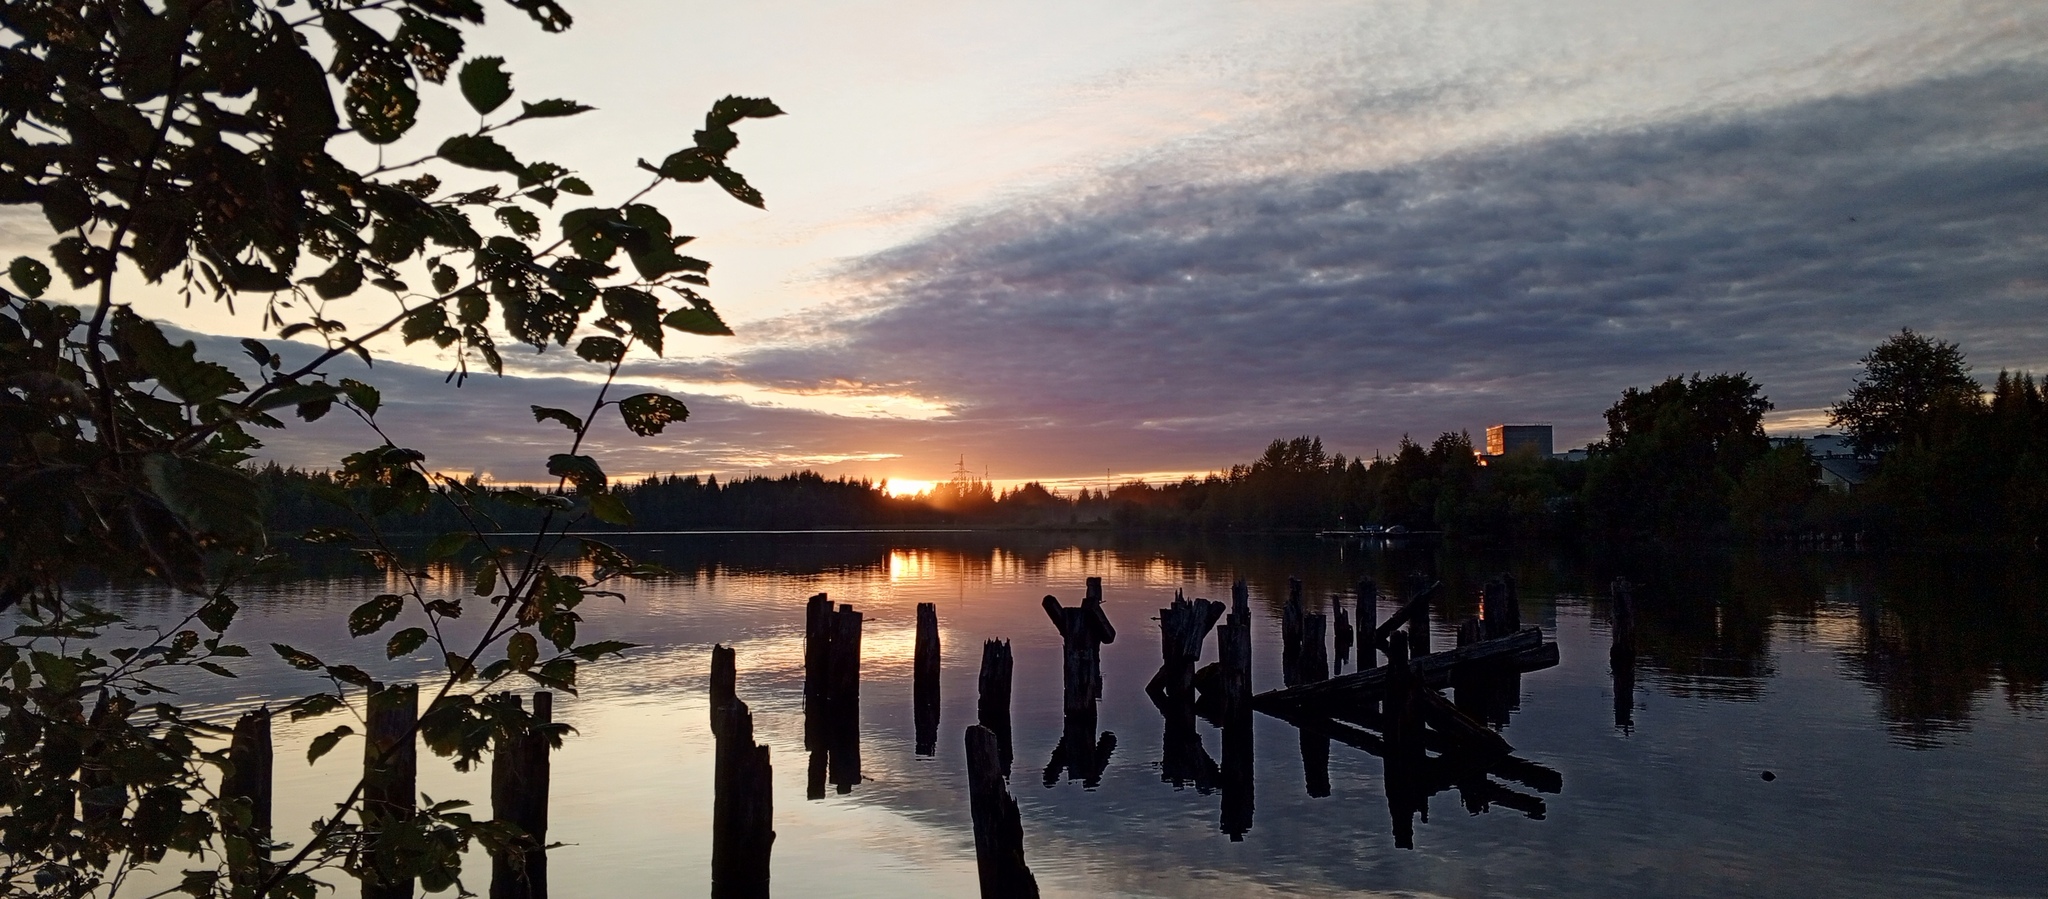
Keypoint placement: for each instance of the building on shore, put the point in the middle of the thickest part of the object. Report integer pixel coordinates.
(1533, 439)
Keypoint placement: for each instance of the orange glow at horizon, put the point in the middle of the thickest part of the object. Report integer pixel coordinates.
(907, 487)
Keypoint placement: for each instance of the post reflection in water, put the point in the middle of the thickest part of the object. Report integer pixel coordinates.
(1919, 672)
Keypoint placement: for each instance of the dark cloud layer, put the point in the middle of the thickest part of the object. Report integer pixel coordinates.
(1176, 326)
(1166, 326)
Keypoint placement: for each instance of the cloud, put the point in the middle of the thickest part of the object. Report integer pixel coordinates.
(1159, 323)
(1164, 325)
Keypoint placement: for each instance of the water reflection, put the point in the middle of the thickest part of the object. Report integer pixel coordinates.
(1806, 665)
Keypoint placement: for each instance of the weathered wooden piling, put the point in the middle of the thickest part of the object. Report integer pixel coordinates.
(925, 677)
(724, 684)
(832, 636)
(1314, 663)
(998, 828)
(992, 706)
(1418, 632)
(1368, 622)
(248, 780)
(1624, 631)
(742, 809)
(1183, 759)
(390, 773)
(1315, 763)
(1290, 635)
(1183, 627)
(1083, 629)
(520, 776)
(1343, 628)
(1233, 656)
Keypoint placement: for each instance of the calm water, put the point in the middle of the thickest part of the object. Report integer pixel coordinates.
(1898, 701)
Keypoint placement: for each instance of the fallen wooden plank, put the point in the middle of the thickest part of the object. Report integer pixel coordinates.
(1525, 647)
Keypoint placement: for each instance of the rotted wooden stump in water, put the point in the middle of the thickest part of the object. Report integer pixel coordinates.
(520, 777)
(925, 678)
(1183, 627)
(249, 781)
(390, 773)
(832, 637)
(1234, 657)
(1291, 616)
(992, 706)
(998, 828)
(742, 805)
(1083, 629)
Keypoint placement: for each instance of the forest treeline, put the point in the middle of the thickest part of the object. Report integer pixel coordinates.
(1945, 460)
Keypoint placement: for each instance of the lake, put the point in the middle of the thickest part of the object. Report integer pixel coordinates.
(1896, 700)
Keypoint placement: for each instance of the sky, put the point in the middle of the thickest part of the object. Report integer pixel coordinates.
(1084, 241)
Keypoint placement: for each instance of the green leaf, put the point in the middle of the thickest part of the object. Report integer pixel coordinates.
(313, 706)
(580, 471)
(342, 278)
(370, 617)
(521, 221)
(325, 743)
(549, 109)
(218, 613)
(592, 232)
(522, 651)
(610, 509)
(567, 418)
(423, 323)
(638, 310)
(590, 652)
(364, 396)
(448, 544)
(216, 669)
(574, 186)
(734, 108)
(31, 275)
(300, 659)
(405, 641)
(380, 102)
(209, 498)
(352, 675)
(648, 413)
(698, 320)
(485, 83)
(478, 151)
(601, 349)
(445, 278)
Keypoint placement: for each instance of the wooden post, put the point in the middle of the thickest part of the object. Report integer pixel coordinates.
(925, 676)
(724, 681)
(520, 778)
(1624, 632)
(1418, 631)
(390, 774)
(998, 828)
(993, 704)
(1234, 655)
(1368, 622)
(1315, 655)
(1083, 631)
(248, 780)
(818, 617)
(742, 810)
(1183, 628)
(1290, 635)
(1343, 627)
(843, 699)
